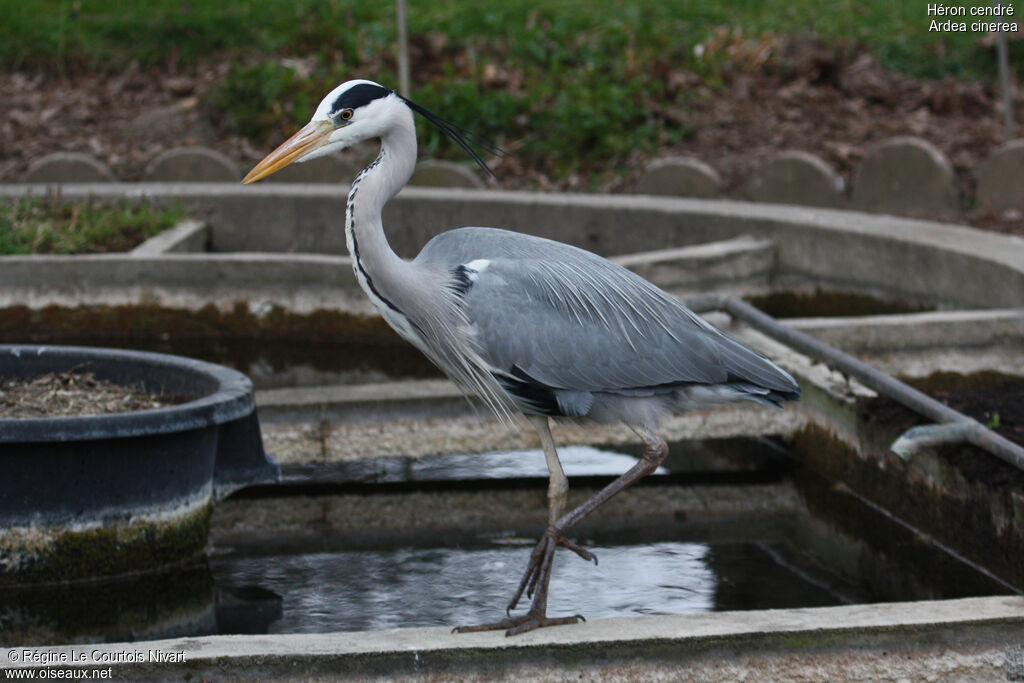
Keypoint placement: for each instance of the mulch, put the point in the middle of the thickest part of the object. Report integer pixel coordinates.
(71, 393)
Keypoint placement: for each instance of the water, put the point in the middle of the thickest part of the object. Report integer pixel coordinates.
(311, 586)
(707, 554)
(365, 591)
(577, 461)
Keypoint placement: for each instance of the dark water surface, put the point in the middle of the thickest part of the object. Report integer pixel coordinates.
(356, 591)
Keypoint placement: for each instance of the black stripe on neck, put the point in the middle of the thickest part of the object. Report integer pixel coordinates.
(355, 243)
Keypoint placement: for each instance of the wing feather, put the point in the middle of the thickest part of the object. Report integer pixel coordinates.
(575, 322)
(598, 330)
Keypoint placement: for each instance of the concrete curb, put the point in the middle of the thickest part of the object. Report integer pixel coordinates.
(871, 334)
(905, 175)
(60, 166)
(679, 177)
(191, 164)
(386, 400)
(176, 260)
(797, 178)
(916, 331)
(1000, 178)
(900, 174)
(186, 237)
(921, 261)
(629, 645)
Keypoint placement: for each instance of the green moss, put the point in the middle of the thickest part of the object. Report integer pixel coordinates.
(53, 556)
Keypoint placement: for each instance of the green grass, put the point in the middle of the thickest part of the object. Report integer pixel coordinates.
(568, 84)
(50, 226)
(107, 34)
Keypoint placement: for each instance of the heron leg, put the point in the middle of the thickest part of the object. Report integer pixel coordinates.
(655, 451)
(543, 553)
(558, 485)
(538, 572)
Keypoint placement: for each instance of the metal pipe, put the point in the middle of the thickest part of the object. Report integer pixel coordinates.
(916, 438)
(885, 384)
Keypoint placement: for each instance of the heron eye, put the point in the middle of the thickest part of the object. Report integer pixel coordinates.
(346, 114)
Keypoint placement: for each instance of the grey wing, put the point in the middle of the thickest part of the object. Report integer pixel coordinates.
(578, 323)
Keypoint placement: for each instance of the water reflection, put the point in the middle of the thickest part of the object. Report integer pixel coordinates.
(577, 461)
(306, 590)
(348, 591)
(843, 553)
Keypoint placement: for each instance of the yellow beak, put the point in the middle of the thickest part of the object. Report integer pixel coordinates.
(311, 136)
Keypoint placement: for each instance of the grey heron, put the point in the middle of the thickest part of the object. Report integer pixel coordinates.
(529, 325)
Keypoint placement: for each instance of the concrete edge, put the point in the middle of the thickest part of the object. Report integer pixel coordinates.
(169, 261)
(1004, 249)
(405, 390)
(918, 331)
(843, 249)
(744, 244)
(407, 651)
(188, 236)
(940, 330)
(419, 398)
(175, 270)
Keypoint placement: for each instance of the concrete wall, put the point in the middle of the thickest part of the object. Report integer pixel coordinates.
(901, 175)
(928, 262)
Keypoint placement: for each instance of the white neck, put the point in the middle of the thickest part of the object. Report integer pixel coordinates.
(411, 296)
(378, 269)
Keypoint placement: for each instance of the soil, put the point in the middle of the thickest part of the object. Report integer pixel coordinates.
(823, 304)
(992, 398)
(71, 393)
(828, 101)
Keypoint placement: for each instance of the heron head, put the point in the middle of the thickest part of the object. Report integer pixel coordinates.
(354, 111)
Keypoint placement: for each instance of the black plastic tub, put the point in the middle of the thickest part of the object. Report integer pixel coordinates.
(105, 495)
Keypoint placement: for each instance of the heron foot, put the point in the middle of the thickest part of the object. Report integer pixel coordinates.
(535, 584)
(527, 622)
(538, 570)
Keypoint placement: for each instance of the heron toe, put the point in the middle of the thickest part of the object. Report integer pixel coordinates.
(512, 626)
(538, 571)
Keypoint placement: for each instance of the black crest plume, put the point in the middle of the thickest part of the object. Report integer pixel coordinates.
(467, 140)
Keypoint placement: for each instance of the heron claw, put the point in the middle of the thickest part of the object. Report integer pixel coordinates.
(585, 554)
(512, 626)
(538, 570)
